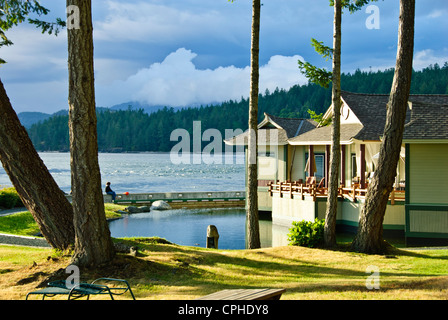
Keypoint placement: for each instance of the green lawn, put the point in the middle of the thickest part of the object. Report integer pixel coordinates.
(22, 223)
(168, 271)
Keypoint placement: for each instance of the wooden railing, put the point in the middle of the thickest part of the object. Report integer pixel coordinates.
(294, 189)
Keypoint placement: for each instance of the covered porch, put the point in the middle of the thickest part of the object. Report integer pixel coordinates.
(299, 189)
(304, 194)
(309, 177)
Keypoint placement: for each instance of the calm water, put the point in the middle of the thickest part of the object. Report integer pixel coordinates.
(189, 227)
(185, 227)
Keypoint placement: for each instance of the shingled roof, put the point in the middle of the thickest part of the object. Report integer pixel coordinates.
(275, 128)
(293, 126)
(371, 110)
(427, 118)
(323, 135)
(428, 122)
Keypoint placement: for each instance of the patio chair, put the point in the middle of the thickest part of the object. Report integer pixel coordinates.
(321, 183)
(83, 289)
(310, 181)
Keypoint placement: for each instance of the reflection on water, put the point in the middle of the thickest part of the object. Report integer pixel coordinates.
(189, 227)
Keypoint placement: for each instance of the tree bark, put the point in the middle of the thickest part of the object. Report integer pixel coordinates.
(335, 155)
(93, 244)
(253, 233)
(36, 187)
(369, 238)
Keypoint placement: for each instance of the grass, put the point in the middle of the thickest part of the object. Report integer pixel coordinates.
(168, 271)
(22, 223)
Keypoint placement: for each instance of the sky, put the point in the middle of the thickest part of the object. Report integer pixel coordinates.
(192, 52)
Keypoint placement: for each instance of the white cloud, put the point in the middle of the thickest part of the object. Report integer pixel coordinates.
(34, 53)
(424, 58)
(177, 82)
(161, 22)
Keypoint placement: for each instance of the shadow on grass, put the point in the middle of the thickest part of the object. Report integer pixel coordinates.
(160, 265)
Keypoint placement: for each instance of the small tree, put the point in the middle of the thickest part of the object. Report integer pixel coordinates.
(335, 155)
(322, 77)
(253, 228)
(252, 217)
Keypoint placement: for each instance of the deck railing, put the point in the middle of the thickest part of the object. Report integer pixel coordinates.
(297, 189)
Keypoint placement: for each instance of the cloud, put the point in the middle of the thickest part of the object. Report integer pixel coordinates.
(165, 22)
(176, 81)
(424, 58)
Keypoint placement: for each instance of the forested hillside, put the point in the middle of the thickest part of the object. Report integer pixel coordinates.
(134, 130)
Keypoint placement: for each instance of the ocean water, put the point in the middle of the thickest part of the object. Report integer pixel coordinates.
(151, 172)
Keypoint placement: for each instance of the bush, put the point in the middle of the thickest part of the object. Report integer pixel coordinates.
(306, 233)
(9, 198)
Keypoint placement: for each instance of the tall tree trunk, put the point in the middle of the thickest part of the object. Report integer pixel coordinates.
(36, 187)
(369, 238)
(93, 244)
(253, 232)
(335, 155)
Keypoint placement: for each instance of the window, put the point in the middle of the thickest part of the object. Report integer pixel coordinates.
(319, 171)
(354, 166)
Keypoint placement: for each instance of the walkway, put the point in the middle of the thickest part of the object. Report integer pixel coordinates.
(20, 240)
(7, 212)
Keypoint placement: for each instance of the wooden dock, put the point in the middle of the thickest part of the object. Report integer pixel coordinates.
(185, 199)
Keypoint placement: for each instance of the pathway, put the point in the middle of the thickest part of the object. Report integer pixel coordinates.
(20, 240)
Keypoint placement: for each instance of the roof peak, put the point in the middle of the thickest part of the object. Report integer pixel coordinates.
(387, 94)
(284, 118)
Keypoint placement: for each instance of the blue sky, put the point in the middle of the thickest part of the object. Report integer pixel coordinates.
(177, 53)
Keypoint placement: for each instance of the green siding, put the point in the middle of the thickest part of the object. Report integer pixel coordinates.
(428, 173)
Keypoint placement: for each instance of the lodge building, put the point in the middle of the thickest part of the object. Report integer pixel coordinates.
(294, 167)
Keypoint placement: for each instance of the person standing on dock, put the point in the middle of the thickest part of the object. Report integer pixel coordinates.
(110, 191)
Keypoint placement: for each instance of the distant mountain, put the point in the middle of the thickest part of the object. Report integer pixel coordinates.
(29, 118)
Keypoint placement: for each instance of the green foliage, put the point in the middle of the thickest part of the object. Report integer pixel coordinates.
(306, 233)
(9, 198)
(353, 5)
(319, 118)
(321, 76)
(317, 75)
(325, 51)
(14, 12)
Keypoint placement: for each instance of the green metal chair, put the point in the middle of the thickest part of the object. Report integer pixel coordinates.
(83, 289)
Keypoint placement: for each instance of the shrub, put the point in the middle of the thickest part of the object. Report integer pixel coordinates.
(9, 198)
(306, 233)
